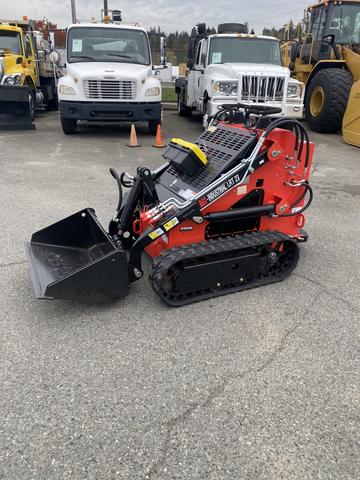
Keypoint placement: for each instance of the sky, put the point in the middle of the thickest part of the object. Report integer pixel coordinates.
(171, 15)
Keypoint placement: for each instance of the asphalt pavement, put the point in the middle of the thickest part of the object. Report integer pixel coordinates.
(258, 385)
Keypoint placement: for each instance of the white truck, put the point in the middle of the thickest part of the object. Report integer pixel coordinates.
(235, 67)
(109, 77)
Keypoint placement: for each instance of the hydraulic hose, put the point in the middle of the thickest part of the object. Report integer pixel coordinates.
(302, 196)
(115, 175)
(304, 137)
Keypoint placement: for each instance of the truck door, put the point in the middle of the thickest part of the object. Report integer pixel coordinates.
(200, 65)
(30, 59)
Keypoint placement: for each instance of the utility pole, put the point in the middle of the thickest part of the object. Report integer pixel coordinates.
(73, 11)
(106, 9)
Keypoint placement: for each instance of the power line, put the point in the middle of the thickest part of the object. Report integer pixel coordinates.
(276, 15)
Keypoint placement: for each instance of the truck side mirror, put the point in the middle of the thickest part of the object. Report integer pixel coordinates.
(158, 67)
(163, 58)
(203, 59)
(330, 39)
(54, 57)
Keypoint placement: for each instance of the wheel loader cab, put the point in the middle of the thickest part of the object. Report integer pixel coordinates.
(314, 47)
(339, 21)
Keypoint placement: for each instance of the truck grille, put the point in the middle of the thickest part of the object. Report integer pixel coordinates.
(262, 89)
(110, 89)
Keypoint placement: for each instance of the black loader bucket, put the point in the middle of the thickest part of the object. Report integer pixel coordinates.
(76, 259)
(15, 108)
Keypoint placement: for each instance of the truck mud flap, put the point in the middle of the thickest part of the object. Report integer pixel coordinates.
(76, 259)
(15, 108)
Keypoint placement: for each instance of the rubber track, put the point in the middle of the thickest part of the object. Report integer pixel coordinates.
(168, 258)
(341, 81)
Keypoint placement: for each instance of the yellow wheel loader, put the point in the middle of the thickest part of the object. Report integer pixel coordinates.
(27, 74)
(327, 60)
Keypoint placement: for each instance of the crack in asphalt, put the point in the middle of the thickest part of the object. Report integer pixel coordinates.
(5, 265)
(219, 389)
(353, 308)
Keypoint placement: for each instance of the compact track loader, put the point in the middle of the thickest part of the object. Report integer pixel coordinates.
(221, 215)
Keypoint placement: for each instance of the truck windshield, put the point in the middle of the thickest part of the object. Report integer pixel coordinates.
(11, 41)
(244, 50)
(96, 44)
(345, 23)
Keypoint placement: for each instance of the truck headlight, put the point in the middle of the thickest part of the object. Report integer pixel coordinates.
(15, 79)
(225, 88)
(294, 90)
(66, 90)
(152, 92)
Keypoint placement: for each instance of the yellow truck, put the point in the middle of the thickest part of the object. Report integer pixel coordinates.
(27, 74)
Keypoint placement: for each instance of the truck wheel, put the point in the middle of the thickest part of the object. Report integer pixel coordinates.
(69, 125)
(152, 128)
(326, 100)
(52, 105)
(183, 110)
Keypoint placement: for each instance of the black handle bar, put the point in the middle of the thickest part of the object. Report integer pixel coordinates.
(255, 109)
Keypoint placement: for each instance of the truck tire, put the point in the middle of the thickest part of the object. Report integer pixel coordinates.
(326, 99)
(232, 28)
(183, 110)
(52, 104)
(69, 125)
(153, 125)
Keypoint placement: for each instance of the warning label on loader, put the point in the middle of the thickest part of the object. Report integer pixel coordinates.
(156, 233)
(171, 224)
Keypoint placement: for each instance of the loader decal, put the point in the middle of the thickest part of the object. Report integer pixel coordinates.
(219, 191)
(156, 233)
(171, 224)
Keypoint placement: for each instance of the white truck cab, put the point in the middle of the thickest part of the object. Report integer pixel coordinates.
(236, 68)
(109, 77)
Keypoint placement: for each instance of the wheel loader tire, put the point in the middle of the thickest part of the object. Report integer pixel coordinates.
(69, 125)
(326, 100)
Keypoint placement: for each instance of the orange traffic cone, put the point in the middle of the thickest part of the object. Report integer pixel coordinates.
(133, 137)
(159, 141)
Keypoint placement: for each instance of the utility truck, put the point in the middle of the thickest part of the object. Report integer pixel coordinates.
(109, 77)
(232, 67)
(28, 74)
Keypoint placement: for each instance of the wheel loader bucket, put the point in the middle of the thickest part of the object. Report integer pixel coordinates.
(76, 259)
(351, 121)
(15, 108)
